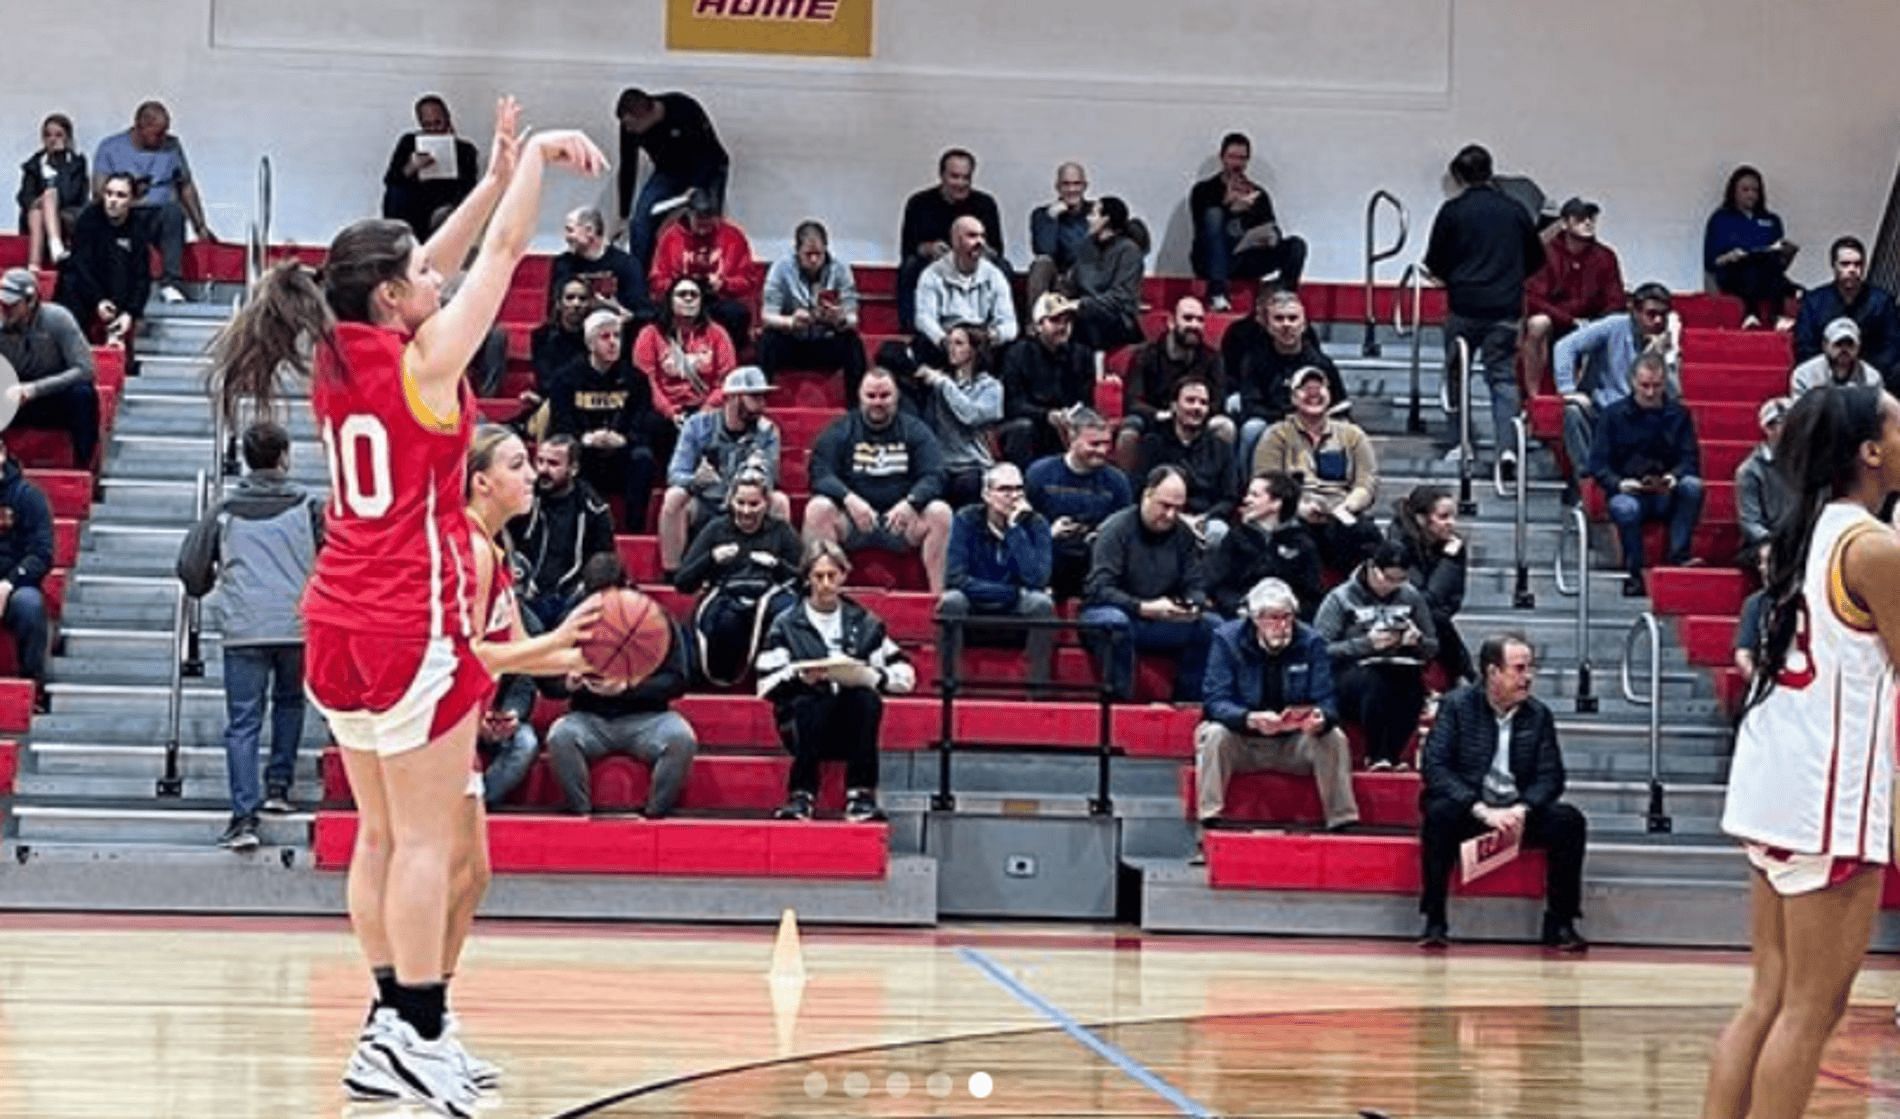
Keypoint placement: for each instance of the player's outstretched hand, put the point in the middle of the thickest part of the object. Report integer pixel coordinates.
(506, 148)
(571, 148)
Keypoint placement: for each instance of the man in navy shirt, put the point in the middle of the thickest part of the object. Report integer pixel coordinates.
(1077, 491)
(1851, 296)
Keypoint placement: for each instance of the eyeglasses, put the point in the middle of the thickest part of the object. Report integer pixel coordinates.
(693, 296)
(1004, 488)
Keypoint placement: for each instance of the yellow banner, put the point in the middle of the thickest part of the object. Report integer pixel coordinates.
(822, 27)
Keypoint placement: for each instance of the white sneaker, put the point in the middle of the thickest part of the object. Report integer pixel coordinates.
(363, 1080)
(485, 1075)
(426, 1072)
(171, 294)
(1220, 304)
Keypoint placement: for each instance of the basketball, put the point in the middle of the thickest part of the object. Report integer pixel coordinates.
(631, 638)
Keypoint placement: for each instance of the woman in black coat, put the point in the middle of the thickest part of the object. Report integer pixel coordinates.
(1425, 521)
(1267, 542)
(54, 187)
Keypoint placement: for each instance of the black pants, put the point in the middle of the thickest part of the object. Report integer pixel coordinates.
(1452, 656)
(73, 410)
(1760, 281)
(833, 726)
(1100, 329)
(1067, 572)
(1026, 439)
(843, 351)
(1559, 830)
(628, 471)
(1385, 700)
(1343, 547)
(736, 317)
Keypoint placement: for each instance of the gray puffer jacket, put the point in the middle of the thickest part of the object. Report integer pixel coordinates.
(256, 548)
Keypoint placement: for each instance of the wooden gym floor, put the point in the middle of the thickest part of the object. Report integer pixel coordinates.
(122, 1017)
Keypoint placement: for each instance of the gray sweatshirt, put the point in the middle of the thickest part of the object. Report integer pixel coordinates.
(256, 548)
(1351, 612)
(960, 415)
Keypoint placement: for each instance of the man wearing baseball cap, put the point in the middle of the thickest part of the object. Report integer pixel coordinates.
(1761, 497)
(714, 446)
(1838, 363)
(49, 352)
(1850, 296)
(1581, 281)
(1044, 376)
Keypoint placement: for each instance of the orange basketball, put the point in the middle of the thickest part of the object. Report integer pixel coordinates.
(631, 638)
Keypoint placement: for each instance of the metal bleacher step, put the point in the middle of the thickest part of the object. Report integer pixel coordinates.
(146, 821)
(95, 759)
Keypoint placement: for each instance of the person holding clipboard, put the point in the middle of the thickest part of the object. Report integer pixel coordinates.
(431, 170)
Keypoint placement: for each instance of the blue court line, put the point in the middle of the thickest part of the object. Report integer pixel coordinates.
(1114, 1055)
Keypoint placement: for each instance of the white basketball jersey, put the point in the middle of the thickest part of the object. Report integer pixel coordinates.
(1814, 760)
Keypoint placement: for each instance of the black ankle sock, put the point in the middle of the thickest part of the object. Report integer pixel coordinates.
(421, 1006)
(385, 983)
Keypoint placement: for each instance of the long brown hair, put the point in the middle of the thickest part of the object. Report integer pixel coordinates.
(294, 311)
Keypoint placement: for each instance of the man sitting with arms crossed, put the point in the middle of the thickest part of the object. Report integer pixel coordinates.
(999, 564)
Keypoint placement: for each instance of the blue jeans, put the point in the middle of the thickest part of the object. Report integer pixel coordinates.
(166, 221)
(25, 619)
(1214, 248)
(1130, 635)
(508, 762)
(643, 227)
(1493, 345)
(251, 671)
(1681, 507)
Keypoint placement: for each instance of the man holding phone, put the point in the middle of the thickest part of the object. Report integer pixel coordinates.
(1269, 705)
(1649, 463)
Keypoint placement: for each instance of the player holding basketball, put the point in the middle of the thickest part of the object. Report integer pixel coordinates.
(390, 637)
(1810, 787)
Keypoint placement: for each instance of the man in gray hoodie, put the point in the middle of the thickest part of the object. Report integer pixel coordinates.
(256, 549)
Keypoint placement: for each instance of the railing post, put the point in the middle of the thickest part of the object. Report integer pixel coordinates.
(1656, 819)
(1467, 505)
(194, 660)
(1370, 346)
(949, 651)
(1101, 804)
(1522, 597)
(1414, 420)
(1579, 525)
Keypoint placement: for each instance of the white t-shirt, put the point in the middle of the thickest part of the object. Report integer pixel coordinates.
(829, 626)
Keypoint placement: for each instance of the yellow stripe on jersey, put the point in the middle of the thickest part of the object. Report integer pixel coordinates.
(1848, 612)
(419, 408)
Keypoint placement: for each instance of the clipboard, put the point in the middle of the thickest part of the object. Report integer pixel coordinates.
(441, 148)
(1483, 854)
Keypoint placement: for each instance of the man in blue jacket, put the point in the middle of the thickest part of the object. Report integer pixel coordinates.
(999, 564)
(1268, 704)
(26, 555)
(1646, 458)
(1851, 296)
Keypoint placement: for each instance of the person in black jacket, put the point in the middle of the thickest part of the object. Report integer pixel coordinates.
(1267, 542)
(568, 526)
(1178, 352)
(833, 710)
(1236, 234)
(108, 276)
(928, 215)
(613, 718)
(26, 555)
(1483, 247)
(1147, 591)
(601, 401)
(1261, 354)
(748, 562)
(684, 149)
(1206, 459)
(1044, 375)
(1492, 763)
(1425, 523)
(422, 200)
(53, 187)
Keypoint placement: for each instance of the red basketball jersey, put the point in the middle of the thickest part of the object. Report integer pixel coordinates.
(396, 554)
(499, 612)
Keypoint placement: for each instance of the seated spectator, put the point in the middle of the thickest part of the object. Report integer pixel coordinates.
(1378, 628)
(1581, 281)
(167, 194)
(929, 217)
(1058, 229)
(1762, 497)
(1267, 542)
(1838, 363)
(1492, 763)
(107, 277)
(1044, 376)
(1339, 466)
(714, 251)
(1146, 590)
(562, 339)
(1648, 462)
(609, 717)
(506, 743)
(418, 192)
(1746, 252)
(568, 526)
(601, 401)
(49, 352)
(836, 712)
(714, 448)
(1077, 491)
(1851, 296)
(611, 273)
(999, 565)
(1178, 352)
(962, 404)
(1236, 234)
(683, 152)
(256, 548)
(810, 312)
(876, 477)
(1205, 460)
(963, 286)
(1260, 355)
(1754, 611)
(1425, 524)
(53, 189)
(1483, 247)
(1105, 281)
(1270, 705)
(747, 560)
(1593, 366)
(684, 354)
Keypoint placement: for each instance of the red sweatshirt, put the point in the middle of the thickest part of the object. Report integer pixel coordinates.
(1572, 285)
(673, 391)
(724, 252)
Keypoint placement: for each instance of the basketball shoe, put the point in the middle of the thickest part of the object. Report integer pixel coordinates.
(431, 1073)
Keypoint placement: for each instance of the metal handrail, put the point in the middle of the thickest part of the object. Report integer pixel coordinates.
(1657, 818)
(192, 660)
(1579, 525)
(171, 783)
(1413, 278)
(1370, 348)
(1522, 598)
(1467, 505)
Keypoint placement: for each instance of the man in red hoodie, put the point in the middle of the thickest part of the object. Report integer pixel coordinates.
(714, 251)
(1580, 281)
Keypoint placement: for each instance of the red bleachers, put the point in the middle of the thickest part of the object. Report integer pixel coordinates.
(1697, 590)
(16, 705)
(9, 765)
(1709, 639)
(1356, 864)
(1385, 799)
(68, 492)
